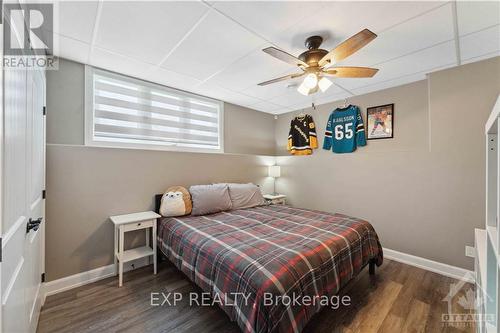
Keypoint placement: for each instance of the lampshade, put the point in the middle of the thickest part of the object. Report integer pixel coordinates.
(274, 171)
(324, 84)
(311, 80)
(303, 89)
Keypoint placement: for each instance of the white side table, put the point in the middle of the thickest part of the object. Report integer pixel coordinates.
(275, 199)
(130, 222)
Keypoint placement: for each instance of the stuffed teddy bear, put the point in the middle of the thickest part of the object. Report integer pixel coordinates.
(176, 202)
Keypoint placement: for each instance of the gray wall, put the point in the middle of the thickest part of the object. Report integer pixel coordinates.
(423, 190)
(246, 131)
(85, 185)
(65, 100)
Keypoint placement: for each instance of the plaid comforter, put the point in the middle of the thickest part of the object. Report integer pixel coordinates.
(269, 250)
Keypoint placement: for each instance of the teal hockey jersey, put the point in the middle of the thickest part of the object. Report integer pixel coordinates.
(345, 130)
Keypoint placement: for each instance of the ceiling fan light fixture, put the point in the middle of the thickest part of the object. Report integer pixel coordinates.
(303, 89)
(324, 84)
(330, 63)
(310, 81)
(316, 63)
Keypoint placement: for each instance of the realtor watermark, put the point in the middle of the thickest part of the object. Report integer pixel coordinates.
(464, 313)
(199, 299)
(28, 36)
(306, 300)
(245, 299)
(465, 319)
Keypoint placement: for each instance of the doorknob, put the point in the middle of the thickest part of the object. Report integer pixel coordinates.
(33, 224)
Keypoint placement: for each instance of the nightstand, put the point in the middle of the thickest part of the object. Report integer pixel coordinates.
(275, 199)
(130, 222)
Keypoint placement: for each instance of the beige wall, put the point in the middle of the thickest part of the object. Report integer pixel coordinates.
(85, 185)
(246, 131)
(65, 100)
(423, 190)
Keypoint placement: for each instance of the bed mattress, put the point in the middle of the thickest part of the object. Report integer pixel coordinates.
(245, 258)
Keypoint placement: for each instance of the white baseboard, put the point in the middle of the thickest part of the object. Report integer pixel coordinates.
(80, 279)
(430, 265)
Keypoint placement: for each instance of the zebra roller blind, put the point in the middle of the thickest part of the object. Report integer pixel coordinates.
(127, 112)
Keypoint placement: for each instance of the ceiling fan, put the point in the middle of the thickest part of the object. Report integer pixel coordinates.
(318, 64)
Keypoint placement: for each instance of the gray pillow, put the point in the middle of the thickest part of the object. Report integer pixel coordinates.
(208, 199)
(245, 195)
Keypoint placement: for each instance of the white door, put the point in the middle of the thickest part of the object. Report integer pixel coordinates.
(34, 244)
(22, 201)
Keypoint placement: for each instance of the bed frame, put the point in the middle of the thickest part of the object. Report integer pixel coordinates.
(371, 263)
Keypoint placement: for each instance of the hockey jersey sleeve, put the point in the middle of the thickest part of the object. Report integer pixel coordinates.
(289, 143)
(327, 143)
(313, 139)
(360, 130)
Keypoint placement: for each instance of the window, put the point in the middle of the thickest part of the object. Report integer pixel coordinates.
(130, 113)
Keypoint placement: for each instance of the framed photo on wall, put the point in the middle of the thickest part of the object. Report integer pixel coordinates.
(380, 122)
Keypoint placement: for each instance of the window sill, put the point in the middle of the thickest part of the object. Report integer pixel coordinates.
(138, 146)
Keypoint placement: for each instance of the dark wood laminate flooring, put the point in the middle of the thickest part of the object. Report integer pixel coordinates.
(399, 298)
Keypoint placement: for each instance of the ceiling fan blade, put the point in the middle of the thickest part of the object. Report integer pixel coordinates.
(283, 56)
(348, 47)
(351, 71)
(283, 78)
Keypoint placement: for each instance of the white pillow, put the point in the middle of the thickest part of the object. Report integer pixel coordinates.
(208, 199)
(245, 195)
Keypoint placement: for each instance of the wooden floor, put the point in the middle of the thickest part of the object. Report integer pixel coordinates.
(399, 298)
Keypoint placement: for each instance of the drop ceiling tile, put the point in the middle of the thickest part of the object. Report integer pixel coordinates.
(476, 15)
(76, 19)
(213, 45)
(332, 98)
(421, 61)
(390, 83)
(171, 79)
(481, 57)
(240, 99)
(272, 90)
(418, 33)
(120, 64)
(268, 18)
(269, 108)
(319, 101)
(71, 49)
(292, 98)
(215, 91)
(146, 30)
(340, 20)
(251, 70)
(230, 56)
(478, 44)
(333, 90)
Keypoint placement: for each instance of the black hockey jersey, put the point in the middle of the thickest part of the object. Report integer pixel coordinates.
(302, 137)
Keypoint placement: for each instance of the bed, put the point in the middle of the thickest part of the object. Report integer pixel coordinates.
(268, 251)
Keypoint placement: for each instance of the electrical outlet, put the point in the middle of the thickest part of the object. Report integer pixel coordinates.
(470, 251)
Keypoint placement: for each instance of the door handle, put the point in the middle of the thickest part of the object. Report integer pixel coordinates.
(33, 224)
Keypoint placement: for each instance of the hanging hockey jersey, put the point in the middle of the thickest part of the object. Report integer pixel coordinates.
(302, 136)
(345, 130)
